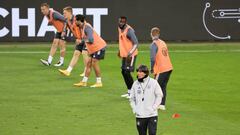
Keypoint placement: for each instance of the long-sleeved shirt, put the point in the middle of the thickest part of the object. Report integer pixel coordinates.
(133, 38)
(153, 53)
(58, 16)
(145, 97)
(89, 33)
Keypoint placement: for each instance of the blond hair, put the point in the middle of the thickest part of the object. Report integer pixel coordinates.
(155, 31)
(69, 9)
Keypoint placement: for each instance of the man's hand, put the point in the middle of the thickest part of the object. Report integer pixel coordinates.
(118, 54)
(129, 55)
(151, 71)
(78, 41)
(63, 35)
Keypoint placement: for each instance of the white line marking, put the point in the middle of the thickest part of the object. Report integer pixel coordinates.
(172, 51)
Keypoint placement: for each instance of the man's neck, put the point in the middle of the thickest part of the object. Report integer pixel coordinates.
(70, 17)
(124, 27)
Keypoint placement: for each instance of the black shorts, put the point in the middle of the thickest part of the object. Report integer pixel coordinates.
(81, 46)
(58, 35)
(129, 63)
(84, 47)
(99, 55)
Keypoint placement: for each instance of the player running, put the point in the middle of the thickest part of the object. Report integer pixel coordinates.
(161, 65)
(80, 47)
(59, 22)
(96, 49)
(128, 51)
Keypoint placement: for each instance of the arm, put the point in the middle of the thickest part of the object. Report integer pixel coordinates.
(133, 100)
(153, 54)
(131, 36)
(158, 94)
(58, 16)
(89, 32)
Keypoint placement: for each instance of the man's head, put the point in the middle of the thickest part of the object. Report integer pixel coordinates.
(122, 21)
(142, 72)
(67, 12)
(80, 20)
(45, 8)
(155, 33)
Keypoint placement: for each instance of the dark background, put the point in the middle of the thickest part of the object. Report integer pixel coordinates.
(179, 20)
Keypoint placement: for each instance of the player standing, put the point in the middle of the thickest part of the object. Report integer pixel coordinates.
(161, 65)
(128, 51)
(80, 44)
(96, 49)
(59, 22)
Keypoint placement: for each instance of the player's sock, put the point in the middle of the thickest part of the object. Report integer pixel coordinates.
(69, 69)
(99, 80)
(50, 58)
(61, 60)
(85, 79)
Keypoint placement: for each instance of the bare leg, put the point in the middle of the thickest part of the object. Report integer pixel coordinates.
(89, 66)
(85, 60)
(62, 46)
(75, 58)
(96, 67)
(54, 47)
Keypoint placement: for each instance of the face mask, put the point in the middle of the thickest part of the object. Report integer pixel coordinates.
(141, 79)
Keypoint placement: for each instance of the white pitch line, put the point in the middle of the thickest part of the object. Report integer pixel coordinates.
(172, 51)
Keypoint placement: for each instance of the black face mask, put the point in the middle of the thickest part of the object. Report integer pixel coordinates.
(141, 79)
(121, 26)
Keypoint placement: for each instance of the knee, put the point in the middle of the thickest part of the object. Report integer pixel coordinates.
(94, 62)
(55, 44)
(76, 54)
(89, 64)
(63, 49)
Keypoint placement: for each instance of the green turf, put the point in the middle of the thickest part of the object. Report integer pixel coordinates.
(37, 100)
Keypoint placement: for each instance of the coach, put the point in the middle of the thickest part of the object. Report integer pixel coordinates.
(145, 97)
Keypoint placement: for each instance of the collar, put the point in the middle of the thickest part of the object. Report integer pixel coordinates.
(155, 38)
(145, 79)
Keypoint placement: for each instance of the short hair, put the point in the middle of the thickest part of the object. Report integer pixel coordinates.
(69, 9)
(123, 18)
(45, 5)
(143, 68)
(155, 31)
(80, 17)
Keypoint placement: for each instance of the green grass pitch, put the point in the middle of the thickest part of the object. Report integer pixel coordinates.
(36, 100)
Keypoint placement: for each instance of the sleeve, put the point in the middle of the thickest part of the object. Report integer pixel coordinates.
(133, 99)
(89, 32)
(153, 54)
(58, 16)
(158, 95)
(131, 36)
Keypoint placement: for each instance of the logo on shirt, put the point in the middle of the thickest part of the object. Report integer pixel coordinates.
(164, 51)
(139, 91)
